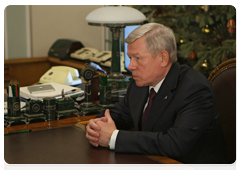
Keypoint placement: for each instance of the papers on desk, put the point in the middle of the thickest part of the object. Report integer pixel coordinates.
(57, 93)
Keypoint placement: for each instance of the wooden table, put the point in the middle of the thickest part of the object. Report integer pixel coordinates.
(80, 122)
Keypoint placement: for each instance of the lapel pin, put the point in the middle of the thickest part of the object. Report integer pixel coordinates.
(165, 98)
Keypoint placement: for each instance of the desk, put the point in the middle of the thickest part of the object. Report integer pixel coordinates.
(63, 143)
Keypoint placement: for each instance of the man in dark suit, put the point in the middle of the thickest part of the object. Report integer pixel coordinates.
(182, 122)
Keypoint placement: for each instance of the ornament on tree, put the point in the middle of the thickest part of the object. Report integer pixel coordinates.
(205, 8)
(181, 41)
(193, 56)
(231, 25)
(206, 29)
(197, 18)
(205, 65)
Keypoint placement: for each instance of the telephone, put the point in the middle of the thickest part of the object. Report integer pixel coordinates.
(108, 63)
(102, 57)
(62, 75)
(62, 48)
(85, 53)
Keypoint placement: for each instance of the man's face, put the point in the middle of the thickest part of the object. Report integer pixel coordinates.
(145, 69)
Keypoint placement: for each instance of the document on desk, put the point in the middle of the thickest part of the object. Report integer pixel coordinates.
(56, 92)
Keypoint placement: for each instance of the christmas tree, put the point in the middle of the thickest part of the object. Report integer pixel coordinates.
(205, 34)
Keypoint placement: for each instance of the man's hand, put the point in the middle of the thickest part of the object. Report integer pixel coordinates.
(107, 126)
(91, 131)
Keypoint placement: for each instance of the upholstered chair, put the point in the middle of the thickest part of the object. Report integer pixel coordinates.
(223, 79)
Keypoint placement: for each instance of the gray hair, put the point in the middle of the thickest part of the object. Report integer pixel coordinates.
(157, 37)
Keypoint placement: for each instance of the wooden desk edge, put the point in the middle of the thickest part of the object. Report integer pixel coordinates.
(48, 125)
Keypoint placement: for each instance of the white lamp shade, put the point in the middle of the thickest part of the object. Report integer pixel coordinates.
(115, 15)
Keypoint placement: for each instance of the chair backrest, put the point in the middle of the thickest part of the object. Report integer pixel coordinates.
(223, 79)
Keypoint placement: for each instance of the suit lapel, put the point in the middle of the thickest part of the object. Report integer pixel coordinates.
(164, 96)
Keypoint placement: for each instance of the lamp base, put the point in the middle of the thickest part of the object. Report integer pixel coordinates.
(118, 82)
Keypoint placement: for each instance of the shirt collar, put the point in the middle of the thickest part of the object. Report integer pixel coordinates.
(157, 87)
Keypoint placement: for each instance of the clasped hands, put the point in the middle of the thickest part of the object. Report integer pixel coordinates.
(99, 130)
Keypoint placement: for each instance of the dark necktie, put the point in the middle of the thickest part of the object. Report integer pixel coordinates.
(146, 112)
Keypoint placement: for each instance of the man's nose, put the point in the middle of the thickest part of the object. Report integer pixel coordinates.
(132, 65)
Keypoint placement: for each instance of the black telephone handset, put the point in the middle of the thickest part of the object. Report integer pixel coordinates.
(62, 48)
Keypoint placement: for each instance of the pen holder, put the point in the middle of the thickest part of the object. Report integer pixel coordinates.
(13, 104)
(105, 95)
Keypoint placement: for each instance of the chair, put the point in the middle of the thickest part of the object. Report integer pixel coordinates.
(223, 79)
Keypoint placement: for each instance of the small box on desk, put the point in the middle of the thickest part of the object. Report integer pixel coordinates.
(34, 107)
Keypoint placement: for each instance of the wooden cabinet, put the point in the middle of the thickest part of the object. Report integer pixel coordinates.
(25, 71)
(28, 71)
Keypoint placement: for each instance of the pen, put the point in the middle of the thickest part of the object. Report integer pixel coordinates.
(16, 90)
(13, 88)
(10, 94)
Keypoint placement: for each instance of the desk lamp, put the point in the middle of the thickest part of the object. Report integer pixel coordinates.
(116, 18)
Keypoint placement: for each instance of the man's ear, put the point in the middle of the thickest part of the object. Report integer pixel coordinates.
(164, 57)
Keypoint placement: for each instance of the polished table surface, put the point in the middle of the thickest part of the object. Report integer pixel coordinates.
(63, 142)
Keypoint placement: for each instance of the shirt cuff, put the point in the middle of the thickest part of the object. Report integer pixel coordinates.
(113, 139)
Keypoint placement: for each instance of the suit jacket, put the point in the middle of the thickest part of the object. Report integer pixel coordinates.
(183, 122)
